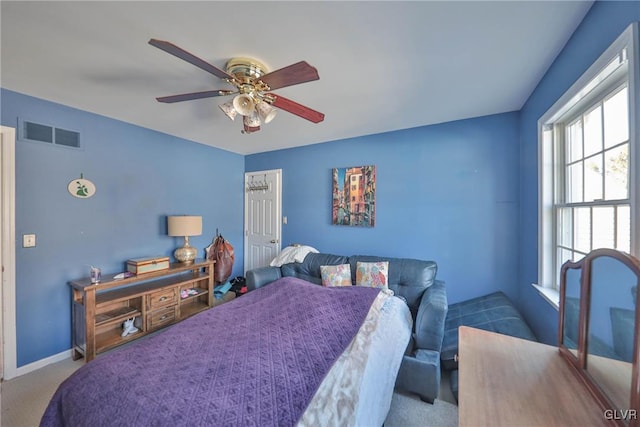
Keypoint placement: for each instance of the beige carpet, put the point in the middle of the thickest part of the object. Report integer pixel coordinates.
(407, 410)
(25, 398)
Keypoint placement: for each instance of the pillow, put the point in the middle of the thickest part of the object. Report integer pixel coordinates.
(372, 274)
(336, 275)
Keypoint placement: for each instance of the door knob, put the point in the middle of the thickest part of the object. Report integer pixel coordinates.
(274, 241)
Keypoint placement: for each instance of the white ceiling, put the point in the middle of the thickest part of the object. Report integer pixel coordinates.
(383, 65)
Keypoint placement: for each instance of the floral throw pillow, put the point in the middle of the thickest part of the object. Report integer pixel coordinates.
(336, 275)
(372, 274)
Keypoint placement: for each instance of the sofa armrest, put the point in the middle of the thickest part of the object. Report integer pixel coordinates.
(431, 316)
(259, 277)
(420, 373)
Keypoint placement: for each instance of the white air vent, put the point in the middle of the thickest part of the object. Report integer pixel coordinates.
(31, 131)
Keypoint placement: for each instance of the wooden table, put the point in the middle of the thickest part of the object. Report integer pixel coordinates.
(508, 381)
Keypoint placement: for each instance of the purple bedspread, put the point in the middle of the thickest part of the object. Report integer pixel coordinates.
(255, 361)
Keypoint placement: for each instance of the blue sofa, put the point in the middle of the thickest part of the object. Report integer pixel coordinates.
(415, 281)
(493, 312)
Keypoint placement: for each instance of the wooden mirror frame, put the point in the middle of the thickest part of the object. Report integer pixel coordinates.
(631, 418)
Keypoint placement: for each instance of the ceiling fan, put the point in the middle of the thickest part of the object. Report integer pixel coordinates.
(253, 84)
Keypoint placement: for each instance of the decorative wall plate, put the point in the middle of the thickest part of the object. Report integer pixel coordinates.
(81, 188)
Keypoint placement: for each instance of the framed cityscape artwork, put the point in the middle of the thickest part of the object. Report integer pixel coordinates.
(354, 196)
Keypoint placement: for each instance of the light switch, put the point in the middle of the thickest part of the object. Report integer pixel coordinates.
(284, 220)
(28, 240)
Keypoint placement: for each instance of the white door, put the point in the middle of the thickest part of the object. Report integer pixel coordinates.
(262, 207)
(7, 253)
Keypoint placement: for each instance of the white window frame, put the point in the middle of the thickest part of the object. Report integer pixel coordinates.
(547, 276)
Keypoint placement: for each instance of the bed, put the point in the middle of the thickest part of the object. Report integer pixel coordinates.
(290, 353)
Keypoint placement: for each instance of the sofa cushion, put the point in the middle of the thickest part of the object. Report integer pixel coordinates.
(336, 275)
(309, 269)
(372, 274)
(493, 312)
(406, 277)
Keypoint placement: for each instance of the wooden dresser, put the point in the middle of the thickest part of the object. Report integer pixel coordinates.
(508, 381)
(155, 300)
(591, 379)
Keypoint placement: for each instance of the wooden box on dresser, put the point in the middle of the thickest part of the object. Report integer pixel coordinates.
(155, 300)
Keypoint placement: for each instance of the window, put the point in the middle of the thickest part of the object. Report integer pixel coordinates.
(589, 162)
(591, 208)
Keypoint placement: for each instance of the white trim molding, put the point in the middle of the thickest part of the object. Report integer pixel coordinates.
(34, 366)
(552, 296)
(7, 221)
(584, 89)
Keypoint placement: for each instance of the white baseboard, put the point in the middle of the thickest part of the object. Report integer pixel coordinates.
(67, 354)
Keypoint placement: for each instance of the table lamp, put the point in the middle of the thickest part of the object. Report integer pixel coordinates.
(185, 225)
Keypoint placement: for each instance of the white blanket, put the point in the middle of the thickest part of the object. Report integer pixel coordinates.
(295, 253)
(358, 389)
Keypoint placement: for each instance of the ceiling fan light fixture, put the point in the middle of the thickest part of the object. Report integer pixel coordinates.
(252, 120)
(229, 110)
(253, 83)
(244, 104)
(266, 111)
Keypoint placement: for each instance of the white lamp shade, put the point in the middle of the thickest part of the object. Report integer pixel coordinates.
(252, 121)
(266, 111)
(184, 225)
(228, 109)
(244, 104)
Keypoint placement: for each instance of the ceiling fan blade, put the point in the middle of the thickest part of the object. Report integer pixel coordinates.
(190, 58)
(294, 74)
(297, 109)
(194, 95)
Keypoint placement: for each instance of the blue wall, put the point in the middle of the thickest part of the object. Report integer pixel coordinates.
(601, 26)
(447, 193)
(141, 176)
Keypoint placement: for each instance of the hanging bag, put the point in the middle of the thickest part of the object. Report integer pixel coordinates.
(221, 252)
